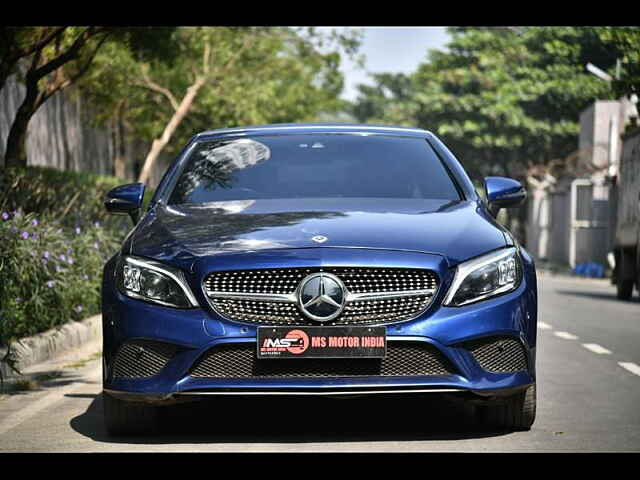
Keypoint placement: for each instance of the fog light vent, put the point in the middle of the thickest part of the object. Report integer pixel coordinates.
(142, 358)
(498, 354)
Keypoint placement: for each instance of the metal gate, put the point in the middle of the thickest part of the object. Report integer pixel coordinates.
(589, 237)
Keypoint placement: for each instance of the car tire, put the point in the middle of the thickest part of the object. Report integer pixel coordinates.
(624, 288)
(517, 412)
(624, 285)
(128, 418)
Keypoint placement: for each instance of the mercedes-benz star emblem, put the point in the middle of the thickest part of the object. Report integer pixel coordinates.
(319, 239)
(321, 296)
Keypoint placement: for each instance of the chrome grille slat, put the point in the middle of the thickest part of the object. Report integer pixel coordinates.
(373, 296)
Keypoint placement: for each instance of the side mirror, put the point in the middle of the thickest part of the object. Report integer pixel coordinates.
(503, 193)
(126, 199)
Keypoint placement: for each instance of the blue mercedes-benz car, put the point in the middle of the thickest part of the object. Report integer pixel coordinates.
(318, 260)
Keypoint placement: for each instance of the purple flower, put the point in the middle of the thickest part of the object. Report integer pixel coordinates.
(63, 258)
(36, 236)
(44, 261)
(35, 222)
(77, 230)
(45, 254)
(97, 224)
(25, 235)
(70, 260)
(50, 283)
(5, 216)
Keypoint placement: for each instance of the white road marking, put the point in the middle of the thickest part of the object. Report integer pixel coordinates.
(632, 367)
(595, 348)
(565, 335)
(56, 395)
(544, 326)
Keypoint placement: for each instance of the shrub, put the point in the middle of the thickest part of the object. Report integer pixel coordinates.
(50, 273)
(69, 197)
(55, 236)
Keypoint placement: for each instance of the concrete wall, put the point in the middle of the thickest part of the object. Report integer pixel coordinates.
(61, 135)
(549, 210)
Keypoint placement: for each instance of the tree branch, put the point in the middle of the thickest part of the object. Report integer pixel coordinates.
(25, 52)
(65, 83)
(151, 85)
(69, 54)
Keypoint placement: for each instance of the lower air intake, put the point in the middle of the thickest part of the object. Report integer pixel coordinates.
(142, 358)
(498, 354)
(403, 359)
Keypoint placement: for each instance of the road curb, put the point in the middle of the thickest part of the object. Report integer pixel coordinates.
(50, 344)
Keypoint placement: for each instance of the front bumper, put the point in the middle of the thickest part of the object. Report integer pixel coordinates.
(446, 329)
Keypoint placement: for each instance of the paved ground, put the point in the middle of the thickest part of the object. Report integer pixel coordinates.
(588, 396)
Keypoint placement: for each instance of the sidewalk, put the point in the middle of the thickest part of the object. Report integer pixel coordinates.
(64, 344)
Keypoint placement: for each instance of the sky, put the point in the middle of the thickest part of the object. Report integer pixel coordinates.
(391, 49)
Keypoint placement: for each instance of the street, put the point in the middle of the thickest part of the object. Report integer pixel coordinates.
(588, 368)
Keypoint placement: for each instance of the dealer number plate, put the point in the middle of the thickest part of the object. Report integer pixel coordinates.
(322, 342)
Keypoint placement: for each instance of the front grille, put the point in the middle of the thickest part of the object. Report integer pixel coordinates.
(498, 354)
(142, 358)
(285, 281)
(239, 360)
(383, 311)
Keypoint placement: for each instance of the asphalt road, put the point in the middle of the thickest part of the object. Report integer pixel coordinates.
(588, 397)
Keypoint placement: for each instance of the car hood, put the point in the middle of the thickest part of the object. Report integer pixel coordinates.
(456, 230)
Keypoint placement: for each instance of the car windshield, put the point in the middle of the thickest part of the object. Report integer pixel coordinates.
(312, 166)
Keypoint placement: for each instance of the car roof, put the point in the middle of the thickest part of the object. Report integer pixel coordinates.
(293, 128)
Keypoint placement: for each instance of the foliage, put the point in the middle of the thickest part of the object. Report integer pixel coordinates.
(254, 75)
(49, 273)
(501, 98)
(55, 237)
(53, 58)
(626, 40)
(68, 197)
(17, 43)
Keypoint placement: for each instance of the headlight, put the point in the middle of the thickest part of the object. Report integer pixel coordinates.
(154, 282)
(493, 274)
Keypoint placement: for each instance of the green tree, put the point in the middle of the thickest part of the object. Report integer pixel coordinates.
(220, 76)
(73, 47)
(17, 43)
(505, 98)
(626, 40)
(54, 59)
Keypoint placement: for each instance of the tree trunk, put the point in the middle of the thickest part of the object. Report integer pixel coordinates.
(16, 152)
(159, 143)
(119, 133)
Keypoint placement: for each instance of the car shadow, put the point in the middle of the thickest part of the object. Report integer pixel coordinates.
(232, 420)
(598, 296)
